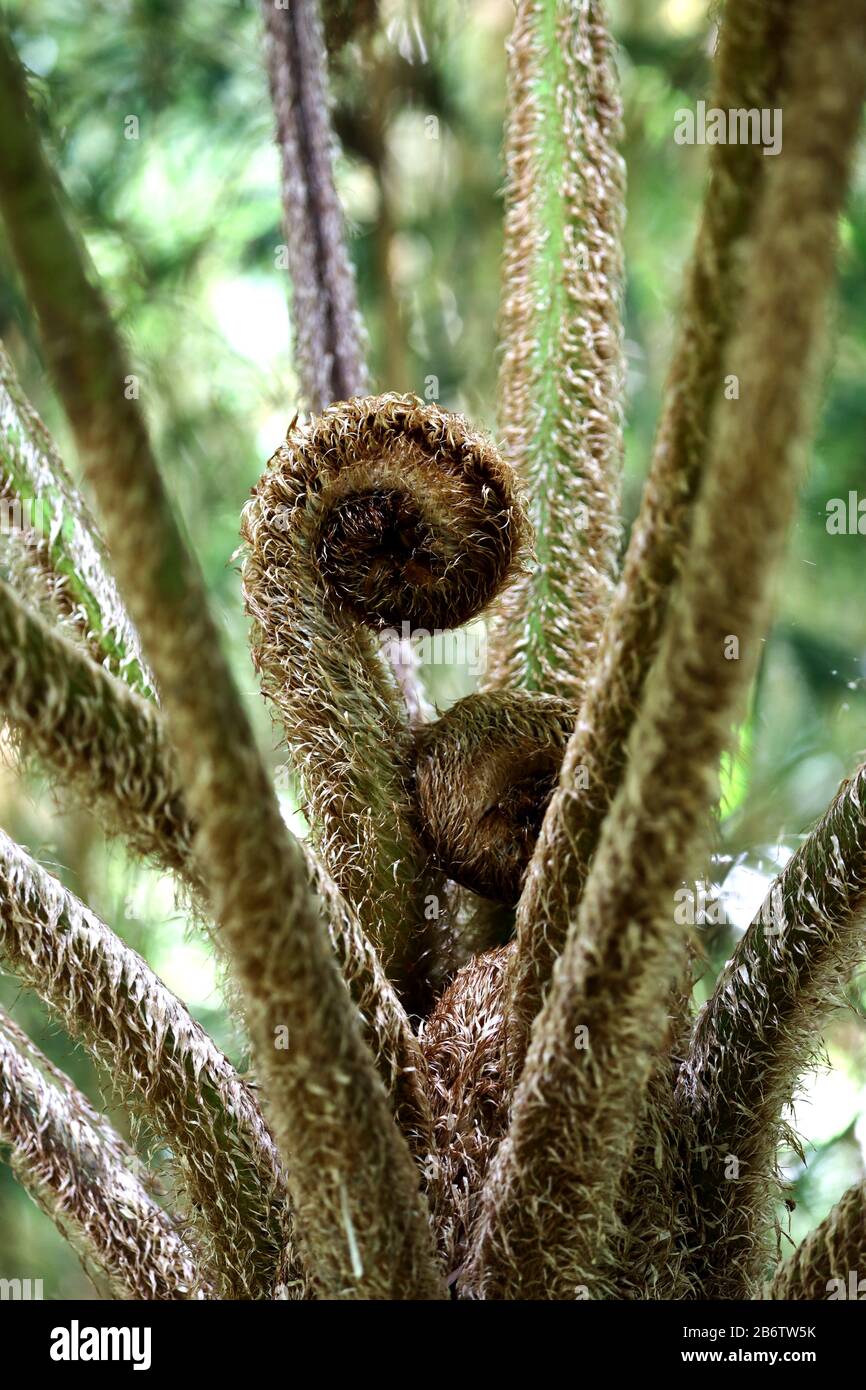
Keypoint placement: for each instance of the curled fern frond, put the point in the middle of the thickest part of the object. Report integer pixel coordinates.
(381, 512)
(384, 1021)
(410, 513)
(484, 774)
(88, 1182)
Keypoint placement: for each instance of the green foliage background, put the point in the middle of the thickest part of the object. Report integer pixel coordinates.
(183, 224)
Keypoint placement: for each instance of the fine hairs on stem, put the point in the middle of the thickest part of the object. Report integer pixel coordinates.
(555, 1180)
(86, 1179)
(267, 916)
(546, 1122)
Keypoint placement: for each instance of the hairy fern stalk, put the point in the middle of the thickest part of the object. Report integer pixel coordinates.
(509, 1097)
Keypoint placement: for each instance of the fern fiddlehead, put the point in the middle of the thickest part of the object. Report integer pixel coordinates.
(483, 776)
(361, 526)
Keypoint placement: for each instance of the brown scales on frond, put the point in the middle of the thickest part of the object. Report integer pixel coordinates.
(462, 1046)
(412, 514)
(381, 511)
(484, 774)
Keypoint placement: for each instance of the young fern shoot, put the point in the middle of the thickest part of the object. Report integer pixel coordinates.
(748, 73)
(379, 512)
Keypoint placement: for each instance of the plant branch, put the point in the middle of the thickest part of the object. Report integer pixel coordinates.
(105, 742)
(749, 66)
(110, 747)
(353, 1184)
(562, 373)
(80, 1173)
(160, 1063)
(55, 524)
(328, 335)
(759, 1033)
(828, 1263)
(546, 1226)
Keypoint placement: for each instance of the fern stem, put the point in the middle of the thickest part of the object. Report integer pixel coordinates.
(748, 73)
(110, 747)
(483, 774)
(562, 370)
(105, 743)
(555, 1180)
(351, 1177)
(160, 1063)
(828, 1264)
(461, 1041)
(83, 1176)
(328, 337)
(67, 557)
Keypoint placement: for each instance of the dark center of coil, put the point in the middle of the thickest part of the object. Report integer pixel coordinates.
(379, 558)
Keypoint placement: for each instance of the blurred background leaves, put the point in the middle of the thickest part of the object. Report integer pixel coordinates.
(183, 223)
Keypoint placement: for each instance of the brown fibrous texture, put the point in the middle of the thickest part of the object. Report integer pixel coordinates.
(461, 1042)
(545, 1227)
(484, 773)
(376, 519)
(87, 1181)
(329, 338)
